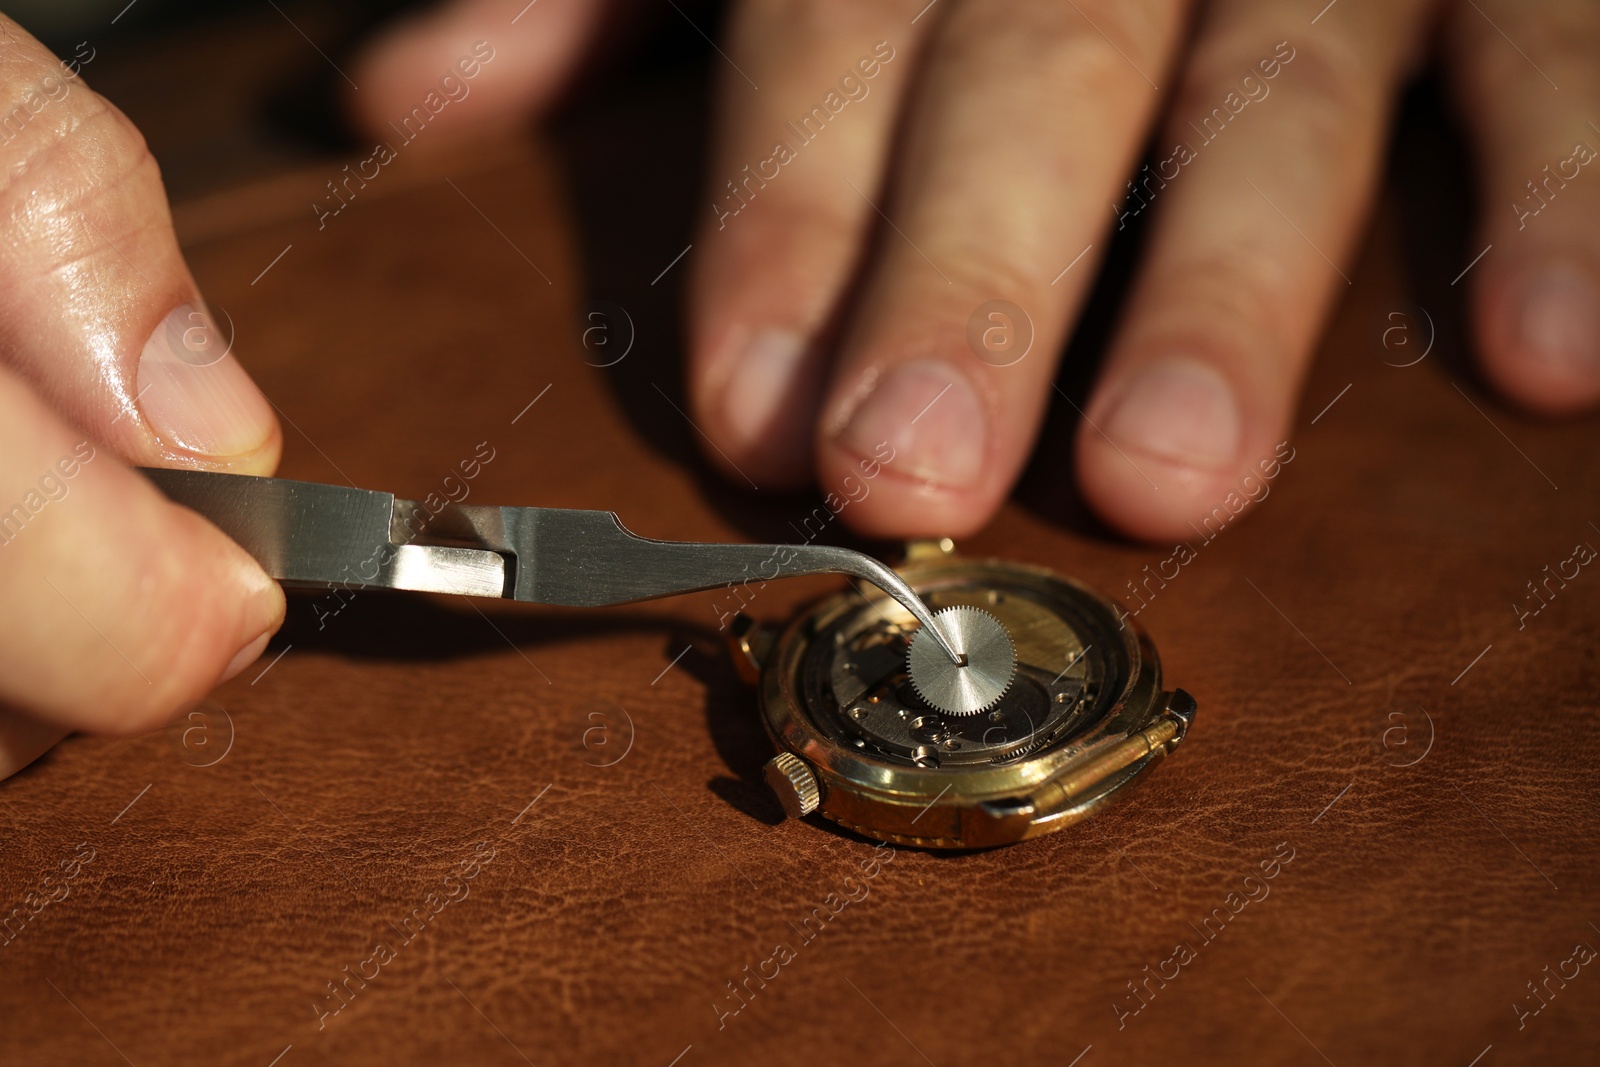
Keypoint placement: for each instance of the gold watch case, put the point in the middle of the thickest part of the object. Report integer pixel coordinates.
(1085, 718)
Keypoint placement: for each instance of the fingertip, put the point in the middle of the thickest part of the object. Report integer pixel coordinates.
(263, 461)
(1144, 497)
(191, 611)
(755, 401)
(878, 499)
(915, 439)
(1171, 450)
(1155, 442)
(1538, 323)
(490, 62)
(245, 657)
(201, 405)
(252, 604)
(901, 510)
(24, 739)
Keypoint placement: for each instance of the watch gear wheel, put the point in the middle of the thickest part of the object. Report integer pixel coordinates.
(989, 662)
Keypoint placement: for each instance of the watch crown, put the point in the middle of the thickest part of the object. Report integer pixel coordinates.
(795, 784)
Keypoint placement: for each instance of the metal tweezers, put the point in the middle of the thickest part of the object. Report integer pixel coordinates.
(307, 533)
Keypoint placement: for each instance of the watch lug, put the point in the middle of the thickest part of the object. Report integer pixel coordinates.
(750, 645)
(1180, 707)
(929, 550)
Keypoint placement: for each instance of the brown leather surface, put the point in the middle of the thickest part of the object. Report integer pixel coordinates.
(611, 906)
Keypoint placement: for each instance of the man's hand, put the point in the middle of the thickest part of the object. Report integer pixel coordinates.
(904, 163)
(120, 607)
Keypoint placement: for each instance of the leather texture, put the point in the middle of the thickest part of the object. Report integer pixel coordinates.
(438, 831)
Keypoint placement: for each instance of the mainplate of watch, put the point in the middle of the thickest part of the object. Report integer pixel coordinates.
(1059, 713)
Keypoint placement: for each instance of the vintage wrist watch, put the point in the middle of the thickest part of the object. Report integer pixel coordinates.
(959, 704)
(1082, 720)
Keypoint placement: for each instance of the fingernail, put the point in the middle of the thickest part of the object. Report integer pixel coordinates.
(762, 382)
(194, 393)
(930, 415)
(1178, 410)
(1558, 323)
(261, 610)
(245, 656)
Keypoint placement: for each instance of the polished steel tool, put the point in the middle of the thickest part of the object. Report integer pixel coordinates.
(306, 533)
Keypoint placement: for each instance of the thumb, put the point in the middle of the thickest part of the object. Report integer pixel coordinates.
(123, 607)
(98, 311)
